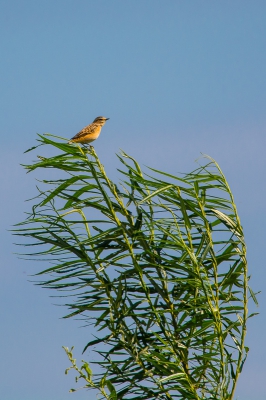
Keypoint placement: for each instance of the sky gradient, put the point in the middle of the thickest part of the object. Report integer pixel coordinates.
(177, 79)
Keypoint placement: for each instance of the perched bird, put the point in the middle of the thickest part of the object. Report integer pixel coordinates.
(90, 132)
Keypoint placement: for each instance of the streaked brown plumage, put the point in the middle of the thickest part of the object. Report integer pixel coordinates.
(90, 132)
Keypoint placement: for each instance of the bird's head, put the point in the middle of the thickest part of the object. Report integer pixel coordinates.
(100, 120)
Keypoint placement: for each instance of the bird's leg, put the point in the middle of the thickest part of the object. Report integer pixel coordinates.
(88, 147)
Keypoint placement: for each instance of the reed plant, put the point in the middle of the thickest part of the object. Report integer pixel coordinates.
(156, 266)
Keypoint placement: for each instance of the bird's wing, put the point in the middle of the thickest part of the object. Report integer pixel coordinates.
(87, 130)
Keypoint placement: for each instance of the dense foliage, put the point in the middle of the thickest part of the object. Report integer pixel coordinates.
(158, 267)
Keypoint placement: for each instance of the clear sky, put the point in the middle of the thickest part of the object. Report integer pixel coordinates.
(176, 78)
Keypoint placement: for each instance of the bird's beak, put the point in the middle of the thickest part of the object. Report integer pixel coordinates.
(107, 118)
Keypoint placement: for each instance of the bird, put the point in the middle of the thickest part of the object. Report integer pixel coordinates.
(90, 132)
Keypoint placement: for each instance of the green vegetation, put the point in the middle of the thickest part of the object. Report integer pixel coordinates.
(157, 267)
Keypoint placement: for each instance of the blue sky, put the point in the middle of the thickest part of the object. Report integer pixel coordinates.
(177, 79)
